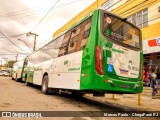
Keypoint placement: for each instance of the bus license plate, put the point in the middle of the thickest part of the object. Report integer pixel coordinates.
(124, 86)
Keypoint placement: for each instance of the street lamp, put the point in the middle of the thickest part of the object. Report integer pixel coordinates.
(25, 43)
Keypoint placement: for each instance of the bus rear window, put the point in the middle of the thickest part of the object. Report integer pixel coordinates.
(120, 30)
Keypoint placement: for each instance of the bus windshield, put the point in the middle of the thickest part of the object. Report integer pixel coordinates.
(120, 30)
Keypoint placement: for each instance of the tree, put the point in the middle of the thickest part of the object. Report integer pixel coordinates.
(10, 63)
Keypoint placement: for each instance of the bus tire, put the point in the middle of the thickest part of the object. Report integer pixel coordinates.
(77, 94)
(44, 86)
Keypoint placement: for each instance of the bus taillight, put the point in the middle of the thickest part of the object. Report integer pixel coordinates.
(99, 67)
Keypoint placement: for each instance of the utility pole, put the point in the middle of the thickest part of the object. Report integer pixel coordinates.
(16, 57)
(35, 39)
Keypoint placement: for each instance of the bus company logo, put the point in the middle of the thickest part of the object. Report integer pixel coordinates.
(118, 36)
(6, 114)
(66, 62)
(113, 50)
(154, 42)
(158, 41)
(73, 69)
(123, 71)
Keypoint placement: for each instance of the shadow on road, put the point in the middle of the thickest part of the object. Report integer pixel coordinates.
(102, 106)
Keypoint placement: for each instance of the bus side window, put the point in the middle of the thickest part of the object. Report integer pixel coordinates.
(64, 45)
(74, 39)
(86, 33)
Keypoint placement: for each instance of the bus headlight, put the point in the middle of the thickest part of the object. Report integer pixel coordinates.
(136, 86)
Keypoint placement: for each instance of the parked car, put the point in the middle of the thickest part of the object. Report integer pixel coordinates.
(4, 73)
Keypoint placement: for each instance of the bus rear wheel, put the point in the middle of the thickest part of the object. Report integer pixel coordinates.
(77, 94)
(44, 86)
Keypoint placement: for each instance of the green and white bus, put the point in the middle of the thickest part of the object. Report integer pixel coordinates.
(101, 53)
(17, 70)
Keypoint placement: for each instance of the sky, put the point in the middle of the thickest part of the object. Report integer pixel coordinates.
(18, 17)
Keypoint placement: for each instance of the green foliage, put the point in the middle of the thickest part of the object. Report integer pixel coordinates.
(10, 63)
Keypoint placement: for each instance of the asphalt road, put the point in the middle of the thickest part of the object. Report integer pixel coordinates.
(16, 96)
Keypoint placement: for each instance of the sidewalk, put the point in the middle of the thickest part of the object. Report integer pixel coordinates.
(130, 101)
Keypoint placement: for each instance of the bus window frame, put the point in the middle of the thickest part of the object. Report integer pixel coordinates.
(76, 27)
(88, 19)
(116, 41)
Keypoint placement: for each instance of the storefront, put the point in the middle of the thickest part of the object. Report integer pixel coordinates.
(151, 49)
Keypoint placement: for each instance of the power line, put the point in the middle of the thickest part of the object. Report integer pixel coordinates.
(22, 13)
(12, 42)
(26, 44)
(128, 11)
(35, 39)
(44, 43)
(12, 36)
(32, 13)
(14, 52)
(18, 11)
(10, 54)
(45, 15)
(40, 11)
(6, 51)
(126, 4)
(112, 5)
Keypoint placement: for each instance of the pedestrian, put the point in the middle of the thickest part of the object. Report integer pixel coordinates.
(154, 85)
(147, 77)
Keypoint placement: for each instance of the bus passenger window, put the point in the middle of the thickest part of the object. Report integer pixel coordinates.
(83, 43)
(64, 45)
(73, 39)
(86, 33)
(73, 42)
(76, 39)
